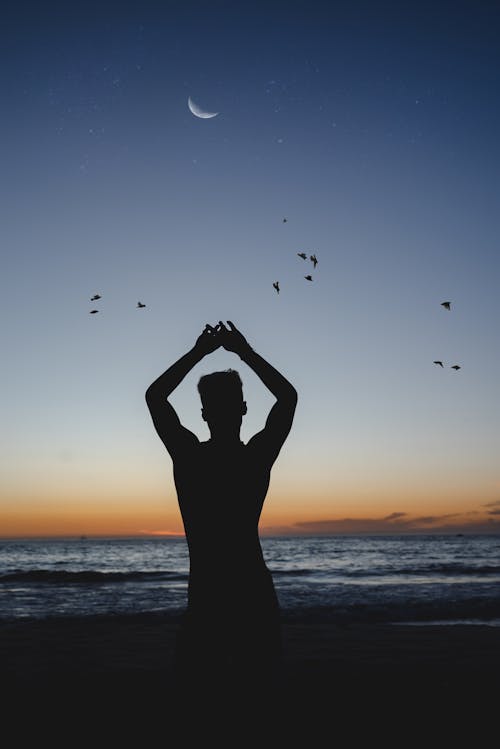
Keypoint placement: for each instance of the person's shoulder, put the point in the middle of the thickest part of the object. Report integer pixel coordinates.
(185, 450)
(256, 446)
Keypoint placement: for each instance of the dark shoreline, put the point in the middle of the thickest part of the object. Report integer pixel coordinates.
(125, 664)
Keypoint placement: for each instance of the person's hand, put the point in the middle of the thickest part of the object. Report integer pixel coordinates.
(231, 338)
(209, 340)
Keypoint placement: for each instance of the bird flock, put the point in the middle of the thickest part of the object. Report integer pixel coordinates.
(456, 367)
(96, 298)
(303, 255)
(276, 286)
(308, 277)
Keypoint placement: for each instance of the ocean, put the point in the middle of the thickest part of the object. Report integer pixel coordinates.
(412, 579)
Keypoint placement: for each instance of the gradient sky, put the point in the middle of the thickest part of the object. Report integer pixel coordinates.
(373, 128)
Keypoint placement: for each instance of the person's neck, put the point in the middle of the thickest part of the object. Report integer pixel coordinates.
(225, 439)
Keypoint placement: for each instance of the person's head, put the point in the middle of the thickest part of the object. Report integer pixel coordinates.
(222, 401)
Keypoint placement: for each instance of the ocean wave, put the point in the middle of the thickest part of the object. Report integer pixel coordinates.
(297, 572)
(428, 570)
(453, 568)
(87, 576)
(95, 576)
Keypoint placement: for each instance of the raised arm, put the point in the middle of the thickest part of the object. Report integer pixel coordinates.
(170, 430)
(280, 418)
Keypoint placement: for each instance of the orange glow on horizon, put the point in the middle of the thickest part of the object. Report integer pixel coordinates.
(286, 511)
(161, 533)
(273, 523)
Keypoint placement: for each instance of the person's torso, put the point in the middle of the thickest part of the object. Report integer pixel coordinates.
(221, 495)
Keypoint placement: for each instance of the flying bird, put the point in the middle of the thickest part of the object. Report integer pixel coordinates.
(285, 220)
(439, 362)
(308, 278)
(276, 285)
(302, 255)
(95, 297)
(446, 305)
(456, 366)
(93, 312)
(140, 304)
(314, 260)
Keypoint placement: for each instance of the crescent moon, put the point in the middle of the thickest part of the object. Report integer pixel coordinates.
(198, 112)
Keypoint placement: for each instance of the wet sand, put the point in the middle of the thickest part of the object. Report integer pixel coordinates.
(114, 674)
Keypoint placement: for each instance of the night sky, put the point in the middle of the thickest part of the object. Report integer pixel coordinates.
(373, 129)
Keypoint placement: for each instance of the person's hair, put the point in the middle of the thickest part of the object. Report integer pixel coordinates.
(220, 387)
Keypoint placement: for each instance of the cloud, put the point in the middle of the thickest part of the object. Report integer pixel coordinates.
(470, 521)
(389, 523)
(430, 519)
(279, 530)
(160, 533)
(401, 522)
(496, 505)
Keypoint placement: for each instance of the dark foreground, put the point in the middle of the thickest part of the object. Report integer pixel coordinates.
(111, 679)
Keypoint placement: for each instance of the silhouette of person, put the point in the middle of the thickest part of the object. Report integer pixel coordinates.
(231, 626)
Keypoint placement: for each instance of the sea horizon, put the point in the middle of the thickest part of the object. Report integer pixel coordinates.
(178, 536)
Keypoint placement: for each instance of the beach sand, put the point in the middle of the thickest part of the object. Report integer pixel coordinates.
(114, 674)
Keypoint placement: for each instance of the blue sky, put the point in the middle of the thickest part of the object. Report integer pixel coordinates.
(373, 130)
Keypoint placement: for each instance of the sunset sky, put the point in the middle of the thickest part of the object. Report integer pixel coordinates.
(373, 129)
